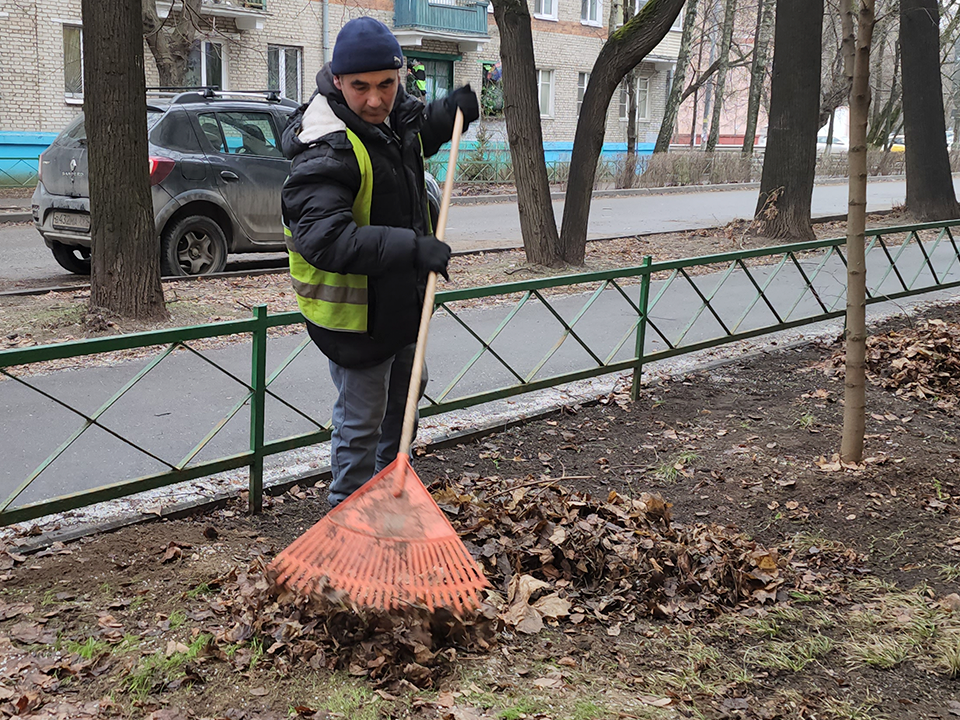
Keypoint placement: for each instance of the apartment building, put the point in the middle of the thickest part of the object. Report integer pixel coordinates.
(281, 44)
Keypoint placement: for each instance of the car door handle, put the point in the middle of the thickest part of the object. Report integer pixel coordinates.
(227, 175)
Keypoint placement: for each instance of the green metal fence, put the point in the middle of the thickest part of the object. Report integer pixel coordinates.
(504, 340)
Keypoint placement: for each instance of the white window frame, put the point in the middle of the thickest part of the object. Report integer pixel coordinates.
(642, 82)
(72, 98)
(553, 91)
(204, 81)
(643, 86)
(583, 79)
(282, 68)
(540, 15)
(678, 23)
(598, 22)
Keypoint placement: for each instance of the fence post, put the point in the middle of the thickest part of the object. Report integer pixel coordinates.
(641, 326)
(258, 381)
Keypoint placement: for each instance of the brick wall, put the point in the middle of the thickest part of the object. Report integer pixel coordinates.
(31, 59)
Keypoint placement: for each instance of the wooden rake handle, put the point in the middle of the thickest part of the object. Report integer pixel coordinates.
(413, 393)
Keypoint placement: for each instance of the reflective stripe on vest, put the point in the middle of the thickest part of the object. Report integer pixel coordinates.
(328, 299)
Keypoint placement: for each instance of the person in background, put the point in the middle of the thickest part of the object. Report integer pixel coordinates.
(416, 79)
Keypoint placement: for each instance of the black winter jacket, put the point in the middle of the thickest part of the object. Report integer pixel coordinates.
(318, 198)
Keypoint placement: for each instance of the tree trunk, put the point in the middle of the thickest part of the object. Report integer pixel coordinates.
(622, 52)
(790, 160)
(125, 275)
(726, 39)
(521, 110)
(670, 112)
(630, 166)
(171, 39)
(855, 332)
(930, 193)
(758, 71)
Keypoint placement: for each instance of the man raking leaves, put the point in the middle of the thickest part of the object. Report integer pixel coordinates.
(361, 247)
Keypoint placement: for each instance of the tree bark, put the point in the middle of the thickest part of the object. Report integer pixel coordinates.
(125, 275)
(171, 39)
(726, 39)
(622, 52)
(630, 166)
(790, 160)
(670, 112)
(758, 71)
(521, 110)
(855, 332)
(930, 193)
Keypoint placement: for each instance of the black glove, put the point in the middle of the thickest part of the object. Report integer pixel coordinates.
(432, 255)
(465, 99)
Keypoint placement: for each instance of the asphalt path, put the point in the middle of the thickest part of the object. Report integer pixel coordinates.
(185, 392)
(26, 261)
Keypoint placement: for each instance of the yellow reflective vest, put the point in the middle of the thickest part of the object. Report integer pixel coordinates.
(328, 299)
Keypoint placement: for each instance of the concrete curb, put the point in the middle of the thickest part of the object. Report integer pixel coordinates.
(12, 218)
(672, 190)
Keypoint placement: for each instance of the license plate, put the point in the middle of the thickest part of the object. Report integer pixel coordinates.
(71, 221)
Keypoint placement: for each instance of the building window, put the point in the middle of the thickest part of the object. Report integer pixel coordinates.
(545, 9)
(678, 23)
(591, 12)
(582, 80)
(73, 61)
(545, 92)
(205, 66)
(439, 78)
(285, 71)
(643, 100)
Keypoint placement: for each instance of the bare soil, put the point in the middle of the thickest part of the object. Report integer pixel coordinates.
(864, 621)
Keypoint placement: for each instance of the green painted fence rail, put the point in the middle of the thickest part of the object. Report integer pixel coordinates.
(724, 298)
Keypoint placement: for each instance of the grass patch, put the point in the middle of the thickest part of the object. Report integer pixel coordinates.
(177, 619)
(88, 649)
(588, 710)
(159, 669)
(670, 471)
(947, 654)
(352, 701)
(878, 651)
(791, 656)
(524, 706)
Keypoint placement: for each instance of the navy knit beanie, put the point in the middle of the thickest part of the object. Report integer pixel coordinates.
(365, 45)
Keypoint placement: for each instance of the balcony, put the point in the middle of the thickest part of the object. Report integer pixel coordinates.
(247, 14)
(464, 21)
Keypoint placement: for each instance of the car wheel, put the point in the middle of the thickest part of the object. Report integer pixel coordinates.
(72, 257)
(194, 245)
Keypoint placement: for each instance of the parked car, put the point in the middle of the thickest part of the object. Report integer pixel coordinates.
(837, 145)
(897, 144)
(216, 171)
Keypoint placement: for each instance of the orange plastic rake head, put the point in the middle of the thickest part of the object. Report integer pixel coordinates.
(389, 544)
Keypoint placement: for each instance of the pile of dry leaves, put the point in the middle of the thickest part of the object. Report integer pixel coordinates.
(325, 632)
(610, 560)
(552, 555)
(921, 362)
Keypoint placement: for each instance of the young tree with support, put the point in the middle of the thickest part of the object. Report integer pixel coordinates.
(125, 272)
(930, 193)
(758, 71)
(855, 331)
(790, 158)
(669, 122)
(726, 39)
